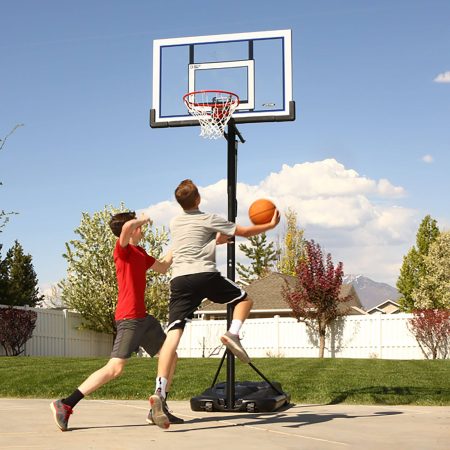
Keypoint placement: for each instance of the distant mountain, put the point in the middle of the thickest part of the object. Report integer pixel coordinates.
(371, 293)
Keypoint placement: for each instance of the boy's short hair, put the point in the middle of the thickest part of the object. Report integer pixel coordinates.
(187, 194)
(117, 221)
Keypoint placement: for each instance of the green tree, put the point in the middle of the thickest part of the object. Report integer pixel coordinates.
(433, 290)
(413, 268)
(3, 278)
(90, 286)
(292, 248)
(262, 255)
(18, 279)
(4, 215)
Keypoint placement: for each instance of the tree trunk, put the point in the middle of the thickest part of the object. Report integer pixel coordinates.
(321, 342)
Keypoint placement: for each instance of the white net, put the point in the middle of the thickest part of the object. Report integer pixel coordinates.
(213, 110)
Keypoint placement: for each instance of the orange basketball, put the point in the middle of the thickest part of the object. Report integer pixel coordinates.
(261, 211)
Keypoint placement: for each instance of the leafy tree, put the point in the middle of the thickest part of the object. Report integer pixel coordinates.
(4, 215)
(90, 286)
(16, 328)
(413, 268)
(431, 328)
(292, 249)
(433, 289)
(3, 278)
(427, 234)
(262, 256)
(18, 279)
(316, 296)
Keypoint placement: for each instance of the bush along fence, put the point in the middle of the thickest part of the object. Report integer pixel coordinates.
(57, 333)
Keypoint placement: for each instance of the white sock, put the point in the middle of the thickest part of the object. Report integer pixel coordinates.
(161, 384)
(235, 326)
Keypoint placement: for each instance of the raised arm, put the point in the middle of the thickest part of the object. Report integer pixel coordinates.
(129, 227)
(253, 230)
(162, 265)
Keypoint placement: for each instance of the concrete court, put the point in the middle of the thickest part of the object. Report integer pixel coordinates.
(120, 424)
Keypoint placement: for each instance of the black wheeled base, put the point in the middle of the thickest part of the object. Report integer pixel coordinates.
(250, 396)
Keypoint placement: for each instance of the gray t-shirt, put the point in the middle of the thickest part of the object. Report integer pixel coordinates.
(193, 241)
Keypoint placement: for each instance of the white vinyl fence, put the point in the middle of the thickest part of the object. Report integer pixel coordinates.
(57, 334)
(367, 336)
(383, 336)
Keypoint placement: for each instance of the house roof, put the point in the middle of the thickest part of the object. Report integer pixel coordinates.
(383, 305)
(267, 295)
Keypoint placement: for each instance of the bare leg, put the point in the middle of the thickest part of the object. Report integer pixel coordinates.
(242, 309)
(168, 354)
(231, 338)
(111, 370)
(166, 366)
(172, 372)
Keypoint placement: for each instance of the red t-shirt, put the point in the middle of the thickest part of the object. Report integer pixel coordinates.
(131, 263)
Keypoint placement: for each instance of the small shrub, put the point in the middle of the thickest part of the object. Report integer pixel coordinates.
(431, 328)
(16, 327)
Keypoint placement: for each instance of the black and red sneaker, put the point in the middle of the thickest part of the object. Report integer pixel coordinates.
(173, 420)
(61, 414)
(158, 415)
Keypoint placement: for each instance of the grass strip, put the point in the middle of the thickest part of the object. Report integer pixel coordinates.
(308, 380)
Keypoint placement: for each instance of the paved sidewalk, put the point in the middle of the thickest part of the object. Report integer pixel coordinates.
(115, 424)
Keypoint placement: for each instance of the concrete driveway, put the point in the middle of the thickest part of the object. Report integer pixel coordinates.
(116, 424)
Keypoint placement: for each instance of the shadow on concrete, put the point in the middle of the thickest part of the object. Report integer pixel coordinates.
(108, 426)
(287, 420)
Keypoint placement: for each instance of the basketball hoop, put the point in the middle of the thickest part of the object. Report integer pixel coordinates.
(213, 110)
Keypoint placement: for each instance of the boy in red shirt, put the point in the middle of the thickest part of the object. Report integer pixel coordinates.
(135, 328)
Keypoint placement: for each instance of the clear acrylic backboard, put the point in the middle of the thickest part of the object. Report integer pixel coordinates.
(256, 66)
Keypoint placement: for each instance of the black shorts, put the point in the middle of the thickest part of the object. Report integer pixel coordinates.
(134, 333)
(188, 291)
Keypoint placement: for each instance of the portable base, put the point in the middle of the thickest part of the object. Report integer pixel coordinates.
(250, 396)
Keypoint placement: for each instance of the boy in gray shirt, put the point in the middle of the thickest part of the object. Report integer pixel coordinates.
(194, 236)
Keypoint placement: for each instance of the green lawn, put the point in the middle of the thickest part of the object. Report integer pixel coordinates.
(326, 381)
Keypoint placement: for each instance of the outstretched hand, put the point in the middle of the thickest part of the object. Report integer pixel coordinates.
(275, 219)
(145, 216)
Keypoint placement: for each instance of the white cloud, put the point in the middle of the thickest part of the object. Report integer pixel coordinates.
(353, 217)
(386, 189)
(443, 78)
(428, 159)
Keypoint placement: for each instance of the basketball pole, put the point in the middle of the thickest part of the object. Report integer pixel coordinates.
(232, 151)
(225, 401)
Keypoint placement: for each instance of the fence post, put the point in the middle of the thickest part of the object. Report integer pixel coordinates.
(190, 338)
(380, 335)
(25, 345)
(65, 318)
(276, 320)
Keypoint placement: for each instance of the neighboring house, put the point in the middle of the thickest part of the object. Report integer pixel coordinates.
(268, 300)
(387, 307)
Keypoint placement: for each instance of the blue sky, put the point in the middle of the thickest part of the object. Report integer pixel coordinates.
(367, 158)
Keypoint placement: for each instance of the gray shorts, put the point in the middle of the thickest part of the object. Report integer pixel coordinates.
(134, 333)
